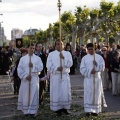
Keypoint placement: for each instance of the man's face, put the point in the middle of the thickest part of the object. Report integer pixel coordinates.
(90, 50)
(104, 50)
(58, 45)
(31, 49)
(117, 56)
(4, 49)
(68, 48)
(39, 47)
(113, 46)
(81, 48)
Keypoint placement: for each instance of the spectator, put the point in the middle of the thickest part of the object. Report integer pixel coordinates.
(116, 73)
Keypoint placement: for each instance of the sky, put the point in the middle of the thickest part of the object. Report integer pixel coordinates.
(26, 14)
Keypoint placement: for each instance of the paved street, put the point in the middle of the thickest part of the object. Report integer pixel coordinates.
(8, 101)
(113, 102)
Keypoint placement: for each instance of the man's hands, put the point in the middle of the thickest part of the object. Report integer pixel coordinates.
(30, 64)
(94, 63)
(61, 55)
(93, 71)
(117, 70)
(28, 78)
(60, 68)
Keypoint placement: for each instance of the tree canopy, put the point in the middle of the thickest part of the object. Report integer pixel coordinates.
(106, 20)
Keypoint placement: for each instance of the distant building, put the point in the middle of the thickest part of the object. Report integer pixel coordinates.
(30, 32)
(2, 35)
(16, 33)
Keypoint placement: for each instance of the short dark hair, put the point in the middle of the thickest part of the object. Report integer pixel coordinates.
(24, 50)
(29, 45)
(116, 53)
(118, 46)
(67, 44)
(38, 44)
(6, 47)
(57, 41)
(90, 45)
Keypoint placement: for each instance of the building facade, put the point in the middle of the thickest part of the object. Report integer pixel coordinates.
(2, 35)
(30, 32)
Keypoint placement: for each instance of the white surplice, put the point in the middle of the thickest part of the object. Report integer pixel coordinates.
(92, 100)
(23, 72)
(60, 88)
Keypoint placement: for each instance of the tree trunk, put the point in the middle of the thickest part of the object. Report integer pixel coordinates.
(97, 39)
(67, 39)
(74, 30)
(74, 41)
(106, 38)
(117, 40)
(91, 39)
(81, 40)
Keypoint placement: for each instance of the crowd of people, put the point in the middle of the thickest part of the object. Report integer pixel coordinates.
(35, 70)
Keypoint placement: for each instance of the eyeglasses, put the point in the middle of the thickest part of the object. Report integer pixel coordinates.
(104, 50)
(90, 49)
(59, 44)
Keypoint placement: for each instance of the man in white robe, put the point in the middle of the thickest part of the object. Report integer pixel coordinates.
(93, 89)
(60, 87)
(28, 99)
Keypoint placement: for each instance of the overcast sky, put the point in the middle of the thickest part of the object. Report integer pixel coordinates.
(25, 14)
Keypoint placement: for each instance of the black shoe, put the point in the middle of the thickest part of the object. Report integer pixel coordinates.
(94, 114)
(32, 115)
(41, 103)
(88, 114)
(59, 113)
(15, 92)
(27, 115)
(65, 111)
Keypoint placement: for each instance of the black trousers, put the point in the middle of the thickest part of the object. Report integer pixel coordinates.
(17, 83)
(42, 86)
(3, 72)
